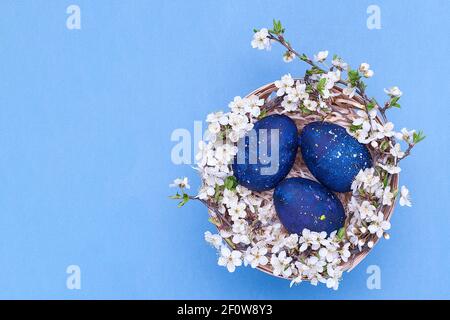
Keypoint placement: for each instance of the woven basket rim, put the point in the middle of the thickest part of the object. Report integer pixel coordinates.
(356, 102)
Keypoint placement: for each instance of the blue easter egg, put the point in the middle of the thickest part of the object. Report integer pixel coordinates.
(303, 203)
(332, 155)
(267, 153)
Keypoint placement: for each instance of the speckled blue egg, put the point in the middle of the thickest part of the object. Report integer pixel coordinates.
(257, 165)
(303, 203)
(332, 155)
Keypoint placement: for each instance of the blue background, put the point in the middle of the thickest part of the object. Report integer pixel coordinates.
(85, 123)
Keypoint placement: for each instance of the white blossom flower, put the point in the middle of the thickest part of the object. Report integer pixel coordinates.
(393, 92)
(284, 84)
(349, 91)
(237, 211)
(332, 77)
(180, 183)
(261, 40)
(389, 168)
(315, 266)
(278, 244)
(225, 153)
(243, 191)
(288, 56)
(367, 179)
(311, 239)
(396, 151)
(339, 63)
(240, 226)
(288, 104)
(310, 105)
(345, 252)
(291, 242)
(329, 253)
(206, 192)
(321, 56)
(237, 105)
(296, 280)
(368, 73)
(230, 259)
(265, 213)
(220, 117)
(379, 225)
(405, 135)
(234, 136)
(388, 196)
(366, 210)
(332, 283)
(281, 264)
(405, 199)
(214, 127)
(205, 154)
(384, 130)
(362, 136)
(364, 119)
(298, 92)
(240, 238)
(353, 205)
(363, 67)
(229, 198)
(256, 256)
(253, 106)
(213, 239)
(253, 202)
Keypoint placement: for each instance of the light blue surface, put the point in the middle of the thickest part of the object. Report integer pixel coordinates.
(85, 123)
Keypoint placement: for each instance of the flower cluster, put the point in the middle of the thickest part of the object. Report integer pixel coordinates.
(296, 96)
(249, 232)
(218, 151)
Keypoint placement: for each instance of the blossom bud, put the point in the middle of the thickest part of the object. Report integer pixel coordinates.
(364, 67)
(368, 74)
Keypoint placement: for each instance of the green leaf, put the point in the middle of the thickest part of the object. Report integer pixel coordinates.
(277, 27)
(362, 85)
(177, 196)
(314, 70)
(321, 85)
(418, 136)
(354, 77)
(354, 128)
(341, 233)
(255, 30)
(384, 145)
(305, 110)
(218, 191)
(230, 243)
(262, 114)
(214, 221)
(394, 102)
(304, 57)
(231, 183)
(370, 106)
(185, 200)
(309, 88)
(385, 181)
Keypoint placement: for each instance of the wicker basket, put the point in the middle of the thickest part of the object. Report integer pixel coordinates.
(343, 113)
